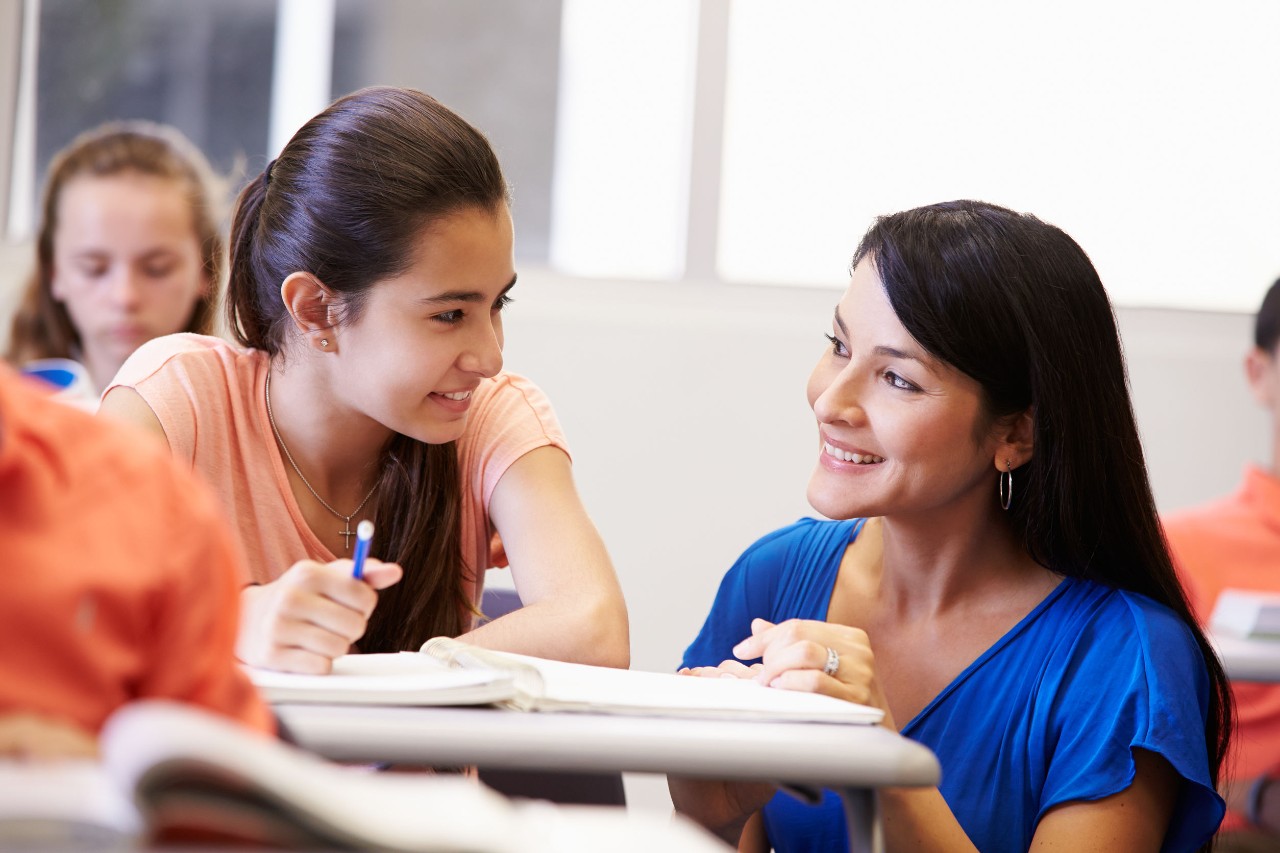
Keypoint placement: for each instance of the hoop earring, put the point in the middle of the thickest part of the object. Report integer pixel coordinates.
(1005, 486)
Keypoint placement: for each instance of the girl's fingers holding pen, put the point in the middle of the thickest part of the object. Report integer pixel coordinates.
(380, 575)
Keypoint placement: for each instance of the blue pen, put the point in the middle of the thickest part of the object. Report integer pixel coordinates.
(364, 533)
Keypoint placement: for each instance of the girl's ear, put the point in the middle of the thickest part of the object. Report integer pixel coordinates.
(1259, 367)
(1015, 440)
(311, 305)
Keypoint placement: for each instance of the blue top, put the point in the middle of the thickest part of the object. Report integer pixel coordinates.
(1048, 714)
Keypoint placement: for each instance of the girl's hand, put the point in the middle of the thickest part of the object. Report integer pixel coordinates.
(795, 656)
(309, 615)
(34, 737)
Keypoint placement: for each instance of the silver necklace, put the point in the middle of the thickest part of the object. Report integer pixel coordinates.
(346, 533)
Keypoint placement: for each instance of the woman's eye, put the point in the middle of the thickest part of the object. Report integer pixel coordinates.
(897, 381)
(502, 302)
(837, 348)
(449, 317)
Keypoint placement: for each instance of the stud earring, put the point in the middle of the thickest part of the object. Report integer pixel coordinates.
(324, 342)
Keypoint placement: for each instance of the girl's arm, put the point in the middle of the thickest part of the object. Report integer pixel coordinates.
(303, 619)
(573, 607)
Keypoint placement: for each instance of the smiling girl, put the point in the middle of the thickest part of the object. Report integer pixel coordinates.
(995, 580)
(370, 266)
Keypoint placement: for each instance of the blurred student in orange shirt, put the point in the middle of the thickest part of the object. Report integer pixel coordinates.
(119, 580)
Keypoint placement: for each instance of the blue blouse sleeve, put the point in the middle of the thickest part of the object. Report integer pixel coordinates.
(788, 574)
(1149, 691)
(746, 592)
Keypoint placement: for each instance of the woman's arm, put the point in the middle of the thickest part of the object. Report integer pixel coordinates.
(727, 809)
(1134, 819)
(573, 607)
(919, 819)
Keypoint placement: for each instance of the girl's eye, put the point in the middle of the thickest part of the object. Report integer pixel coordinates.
(898, 382)
(449, 317)
(837, 348)
(502, 302)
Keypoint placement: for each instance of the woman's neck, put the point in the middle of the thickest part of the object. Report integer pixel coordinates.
(931, 564)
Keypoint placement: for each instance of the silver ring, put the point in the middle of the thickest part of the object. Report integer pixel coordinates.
(832, 665)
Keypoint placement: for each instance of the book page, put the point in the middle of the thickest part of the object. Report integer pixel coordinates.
(1247, 613)
(405, 678)
(578, 687)
(72, 803)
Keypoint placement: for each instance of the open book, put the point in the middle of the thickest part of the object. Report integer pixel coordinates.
(172, 774)
(406, 678)
(1246, 613)
(527, 683)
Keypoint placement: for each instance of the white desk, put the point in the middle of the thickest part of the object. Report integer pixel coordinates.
(852, 759)
(1248, 660)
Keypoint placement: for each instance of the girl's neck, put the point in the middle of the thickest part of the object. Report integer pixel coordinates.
(101, 367)
(337, 448)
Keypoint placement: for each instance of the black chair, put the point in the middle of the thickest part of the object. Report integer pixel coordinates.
(596, 789)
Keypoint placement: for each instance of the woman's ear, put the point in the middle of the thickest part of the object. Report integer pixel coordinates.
(312, 307)
(1016, 440)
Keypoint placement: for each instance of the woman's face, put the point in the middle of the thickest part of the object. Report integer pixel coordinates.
(126, 263)
(425, 338)
(898, 429)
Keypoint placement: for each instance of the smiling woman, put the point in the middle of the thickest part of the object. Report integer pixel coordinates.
(995, 580)
(370, 266)
(128, 249)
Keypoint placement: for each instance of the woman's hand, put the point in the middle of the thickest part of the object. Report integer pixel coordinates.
(726, 669)
(795, 656)
(309, 615)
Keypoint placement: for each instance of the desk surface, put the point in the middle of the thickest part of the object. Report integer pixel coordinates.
(1248, 659)
(837, 756)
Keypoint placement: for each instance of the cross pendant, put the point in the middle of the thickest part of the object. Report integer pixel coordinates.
(347, 533)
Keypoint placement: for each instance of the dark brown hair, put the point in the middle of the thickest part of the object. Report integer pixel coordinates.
(1266, 326)
(42, 328)
(345, 201)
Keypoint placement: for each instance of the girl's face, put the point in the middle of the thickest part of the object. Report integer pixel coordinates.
(425, 339)
(126, 263)
(898, 429)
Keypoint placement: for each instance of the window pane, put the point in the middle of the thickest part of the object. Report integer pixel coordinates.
(203, 67)
(496, 62)
(1145, 130)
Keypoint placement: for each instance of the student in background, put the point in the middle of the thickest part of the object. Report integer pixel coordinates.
(370, 266)
(119, 580)
(1000, 588)
(128, 249)
(1235, 542)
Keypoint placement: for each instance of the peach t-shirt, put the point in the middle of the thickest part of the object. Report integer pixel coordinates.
(119, 576)
(209, 396)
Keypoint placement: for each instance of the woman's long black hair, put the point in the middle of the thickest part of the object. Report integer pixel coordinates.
(1016, 304)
